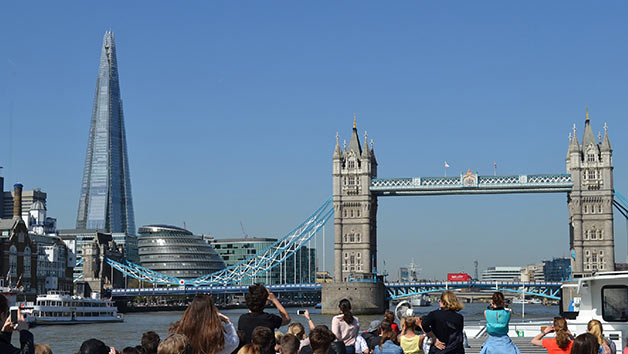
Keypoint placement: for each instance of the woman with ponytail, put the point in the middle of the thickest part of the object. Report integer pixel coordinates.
(497, 319)
(346, 326)
(605, 346)
(561, 343)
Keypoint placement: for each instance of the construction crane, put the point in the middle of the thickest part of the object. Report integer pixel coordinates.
(243, 232)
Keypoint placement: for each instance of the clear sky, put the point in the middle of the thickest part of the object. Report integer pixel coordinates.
(232, 108)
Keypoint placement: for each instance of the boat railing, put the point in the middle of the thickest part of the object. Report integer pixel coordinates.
(481, 332)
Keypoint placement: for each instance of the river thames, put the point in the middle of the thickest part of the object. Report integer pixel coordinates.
(68, 339)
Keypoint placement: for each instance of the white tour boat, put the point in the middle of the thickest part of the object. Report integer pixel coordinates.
(62, 308)
(602, 297)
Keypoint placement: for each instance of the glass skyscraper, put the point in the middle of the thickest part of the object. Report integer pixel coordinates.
(106, 202)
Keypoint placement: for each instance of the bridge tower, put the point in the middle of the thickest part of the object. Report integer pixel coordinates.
(590, 202)
(355, 230)
(355, 209)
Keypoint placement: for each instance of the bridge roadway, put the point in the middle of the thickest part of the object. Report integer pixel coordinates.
(395, 290)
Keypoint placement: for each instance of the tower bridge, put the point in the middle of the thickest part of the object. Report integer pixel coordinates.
(588, 183)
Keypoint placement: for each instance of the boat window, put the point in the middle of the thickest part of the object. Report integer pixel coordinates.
(615, 303)
(569, 301)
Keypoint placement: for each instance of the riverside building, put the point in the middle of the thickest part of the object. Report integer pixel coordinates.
(298, 268)
(177, 252)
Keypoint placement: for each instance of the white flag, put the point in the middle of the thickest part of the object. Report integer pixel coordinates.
(446, 164)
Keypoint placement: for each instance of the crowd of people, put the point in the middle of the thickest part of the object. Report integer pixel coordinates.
(204, 330)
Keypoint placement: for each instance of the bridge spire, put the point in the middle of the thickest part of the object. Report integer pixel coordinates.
(337, 151)
(354, 142)
(589, 137)
(606, 143)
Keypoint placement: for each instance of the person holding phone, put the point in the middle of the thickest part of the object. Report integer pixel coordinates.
(561, 343)
(497, 319)
(17, 323)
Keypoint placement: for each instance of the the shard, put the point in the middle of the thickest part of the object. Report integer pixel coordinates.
(106, 203)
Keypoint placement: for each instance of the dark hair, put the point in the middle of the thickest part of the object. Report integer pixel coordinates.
(256, 298)
(150, 342)
(130, 350)
(585, 343)
(290, 344)
(4, 305)
(202, 326)
(94, 346)
(385, 326)
(498, 300)
(263, 338)
(388, 334)
(389, 316)
(320, 339)
(345, 308)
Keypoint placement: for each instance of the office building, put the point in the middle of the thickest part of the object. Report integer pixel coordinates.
(298, 268)
(177, 252)
(105, 203)
(502, 274)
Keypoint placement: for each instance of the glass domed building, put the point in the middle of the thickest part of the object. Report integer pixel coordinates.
(177, 252)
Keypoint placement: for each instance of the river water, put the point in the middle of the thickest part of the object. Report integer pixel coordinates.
(68, 339)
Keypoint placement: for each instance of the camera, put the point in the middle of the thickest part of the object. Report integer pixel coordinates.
(300, 312)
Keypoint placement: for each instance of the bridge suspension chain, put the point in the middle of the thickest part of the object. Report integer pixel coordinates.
(269, 258)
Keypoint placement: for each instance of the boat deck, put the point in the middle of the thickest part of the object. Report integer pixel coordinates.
(524, 344)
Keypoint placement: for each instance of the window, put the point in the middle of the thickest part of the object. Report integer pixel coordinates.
(13, 261)
(27, 262)
(599, 208)
(590, 157)
(586, 209)
(351, 164)
(615, 303)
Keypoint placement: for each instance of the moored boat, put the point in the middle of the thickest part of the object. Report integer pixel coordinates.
(62, 308)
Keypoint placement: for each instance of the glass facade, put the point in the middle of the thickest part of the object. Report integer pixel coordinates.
(176, 252)
(105, 202)
(299, 268)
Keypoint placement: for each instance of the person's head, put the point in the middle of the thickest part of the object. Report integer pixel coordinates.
(385, 326)
(409, 324)
(4, 308)
(498, 300)
(249, 349)
(449, 301)
(94, 346)
(150, 342)
(175, 344)
(256, 298)
(131, 350)
(320, 339)
(585, 343)
(595, 328)
(387, 335)
(43, 349)
(202, 326)
(389, 316)
(345, 309)
(289, 344)
(297, 329)
(278, 336)
(263, 338)
(172, 329)
(562, 334)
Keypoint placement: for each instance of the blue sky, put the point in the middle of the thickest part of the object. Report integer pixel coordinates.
(232, 109)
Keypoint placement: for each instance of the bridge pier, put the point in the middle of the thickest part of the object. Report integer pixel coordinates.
(367, 298)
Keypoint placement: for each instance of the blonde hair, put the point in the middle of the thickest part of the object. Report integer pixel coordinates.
(43, 349)
(175, 344)
(410, 324)
(278, 336)
(595, 328)
(450, 301)
(297, 329)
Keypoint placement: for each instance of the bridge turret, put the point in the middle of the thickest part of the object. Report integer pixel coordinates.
(591, 203)
(355, 242)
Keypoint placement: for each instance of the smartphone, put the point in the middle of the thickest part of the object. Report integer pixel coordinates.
(300, 312)
(14, 316)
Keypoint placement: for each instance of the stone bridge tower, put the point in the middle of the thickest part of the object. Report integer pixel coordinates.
(591, 202)
(355, 209)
